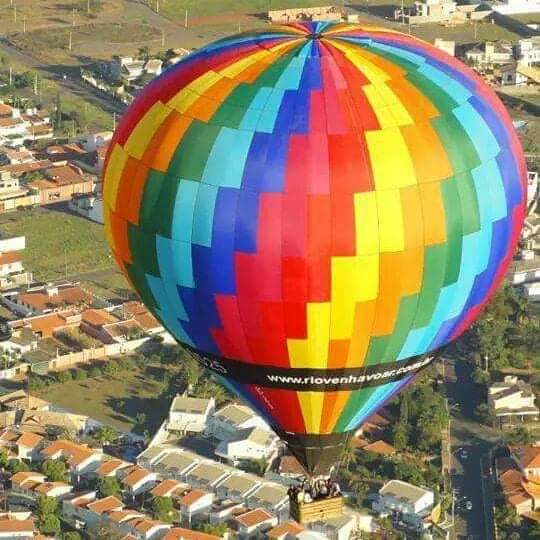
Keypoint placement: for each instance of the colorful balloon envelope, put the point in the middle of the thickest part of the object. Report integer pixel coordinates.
(316, 209)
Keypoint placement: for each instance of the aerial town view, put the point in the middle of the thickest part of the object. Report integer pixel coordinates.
(269, 269)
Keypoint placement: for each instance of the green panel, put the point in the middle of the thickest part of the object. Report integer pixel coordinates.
(404, 322)
(164, 208)
(271, 76)
(434, 272)
(190, 157)
(357, 400)
(438, 97)
(469, 203)
(454, 230)
(376, 350)
(228, 115)
(143, 251)
(457, 144)
(150, 198)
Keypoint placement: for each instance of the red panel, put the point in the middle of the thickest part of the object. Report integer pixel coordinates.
(343, 227)
(295, 279)
(295, 320)
(319, 247)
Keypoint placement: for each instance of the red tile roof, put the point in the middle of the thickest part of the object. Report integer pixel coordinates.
(107, 504)
(178, 533)
(281, 531)
(192, 497)
(254, 517)
(29, 440)
(16, 525)
(10, 257)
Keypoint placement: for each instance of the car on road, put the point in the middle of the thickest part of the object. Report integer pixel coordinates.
(468, 505)
(464, 454)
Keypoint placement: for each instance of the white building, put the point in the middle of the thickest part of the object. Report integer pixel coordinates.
(89, 205)
(226, 422)
(511, 400)
(528, 51)
(194, 504)
(207, 475)
(190, 414)
(406, 502)
(255, 523)
(17, 529)
(238, 487)
(514, 7)
(491, 53)
(448, 46)
(248, 444)
(12, 272)
(338, 528)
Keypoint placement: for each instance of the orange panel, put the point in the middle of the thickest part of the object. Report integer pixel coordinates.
(433, 212)
(119, 232)
(159, 152)
(221, 89)
(125, 186)
(338, 352)
(334, 402)
(390, 269)
(419, 107)
(134, 202)
(413, 224)
(411, 270)
(431, 164)
(364, 315)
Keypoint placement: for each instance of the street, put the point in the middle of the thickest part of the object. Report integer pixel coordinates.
(470, 443)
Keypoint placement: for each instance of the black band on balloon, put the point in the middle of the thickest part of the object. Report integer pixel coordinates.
(321, 380)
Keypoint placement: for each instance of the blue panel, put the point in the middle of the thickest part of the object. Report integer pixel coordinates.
(225, 164)
(184, 209)
(247, 218)
(223, 281)
(450, 86)
(485, 143)
(204, 215)
(491, 118)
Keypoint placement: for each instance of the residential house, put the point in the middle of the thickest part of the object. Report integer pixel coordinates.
(511, 401)
(45, 326)
(12, 271)
(178, 533)
(224, 511)
(271, 497)
(46, 298)
(94, 141)
(23, 483)
(16, 156)
(99, 508)
(125, 69)
(527, 459)
(28, 445)
(55, 490)
(322, 13)
(379, 447)
(226, 422)
(490, 53)
(406, 502)
(17, 529)
(169, 488)
(176, 464)
(194, 503)
(248, 444)
(76, 513)
(290, 468)
(54, 422)
(61, 183)
(89, 205)
(514, 7)
(337, 528)
(20, 399)
(519, 492)
(145, 528)
(448, 46)
(238, 487)
(79, 458)
(284, 531)
(149, 457)
(255, 523)
(118, 517)
(111, 468)
(189, 414)
(528, 51)
(136, 480)
(12, 194)
(64, 152)
(207, 475)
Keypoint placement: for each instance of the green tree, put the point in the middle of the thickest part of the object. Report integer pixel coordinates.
(64, 376)
(217, 529)
(109, 486)
(192, 371)
(46, 506)
(16, 465)
(3, 458)
(163, 509)
(79, 374)
(95, 372)
(143, 53)
(400, 436)
(106, 434)
(111, 368)
(519, 435)
(55, 470)
(49, 524)
(71, 535)
(534, 531)
(481, 377)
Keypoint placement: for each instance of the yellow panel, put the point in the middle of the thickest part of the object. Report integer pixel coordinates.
(298, 352)
(183, 100)
(373, 73)
(391, 233)
(387, 106)
(390, 160)
(318, 326)
(363, 322)
(312, 406)
(144, 131)
(366, 223)
(354, 279)
(205, 81)
(115, 167)
(237, 67)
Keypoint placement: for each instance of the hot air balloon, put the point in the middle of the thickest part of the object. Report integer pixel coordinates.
(315, 209)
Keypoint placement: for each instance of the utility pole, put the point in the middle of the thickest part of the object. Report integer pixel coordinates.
(15, 13)
(162, 38)
(157, 6)
(88, 7)
(475, 30)
(114, 121)
(35, 84)
(70, 40)
(24, 25)
(186, 20)
(73, 17)
(10, 76)
(402, 13)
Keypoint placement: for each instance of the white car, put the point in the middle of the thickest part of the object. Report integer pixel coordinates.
(464, 454)
(468, 505)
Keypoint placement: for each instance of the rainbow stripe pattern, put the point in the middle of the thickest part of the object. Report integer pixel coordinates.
(315, 196)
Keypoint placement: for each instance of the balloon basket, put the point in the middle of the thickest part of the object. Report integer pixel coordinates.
(319, 510)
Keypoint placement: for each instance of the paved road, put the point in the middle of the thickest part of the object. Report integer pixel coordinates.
(470, 446)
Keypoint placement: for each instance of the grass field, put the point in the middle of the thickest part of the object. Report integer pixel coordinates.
(48, 44)
(110, 286)
(58, 243)
(115, 401)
